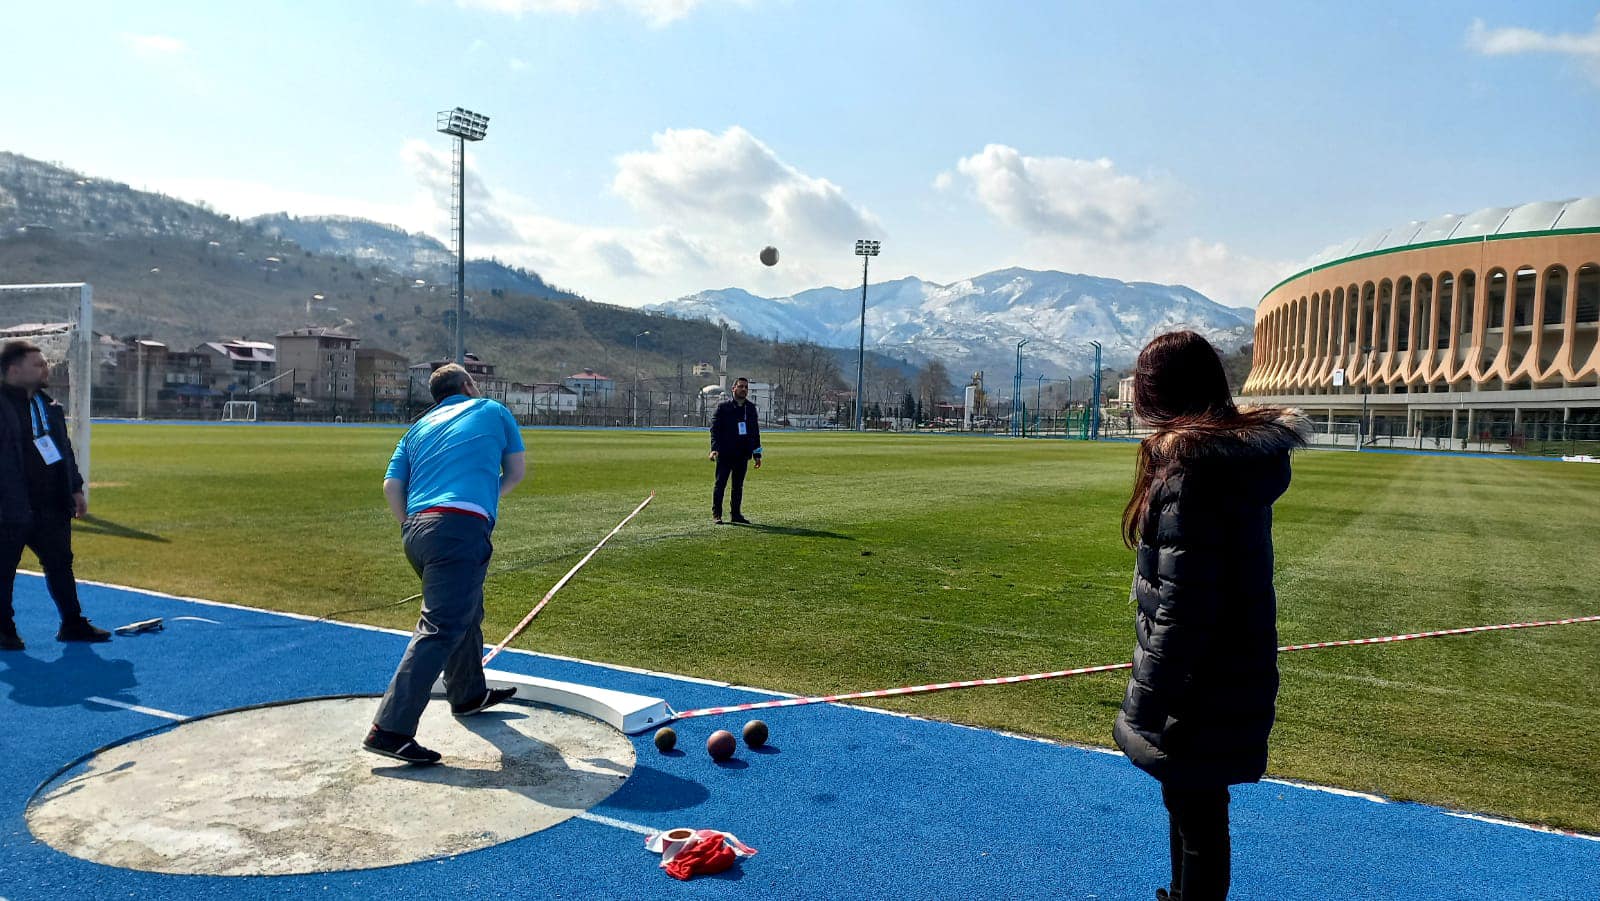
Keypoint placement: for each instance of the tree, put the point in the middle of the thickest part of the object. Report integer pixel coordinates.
(933, 385)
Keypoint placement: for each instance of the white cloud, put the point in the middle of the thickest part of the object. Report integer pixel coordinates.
(735, 185)
(1585, 48)
(1063, 196)
(154, 46)
(658, 13)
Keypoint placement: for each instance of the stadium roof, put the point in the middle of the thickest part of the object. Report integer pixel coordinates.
(1545, 217)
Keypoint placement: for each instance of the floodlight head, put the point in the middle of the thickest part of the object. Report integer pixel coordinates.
(464, 124)
(867, 248)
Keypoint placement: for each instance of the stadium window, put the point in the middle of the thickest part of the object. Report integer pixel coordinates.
(1524, 286)
(1589, 293)
(1469, 299)
(1555, 295)
(1497, 299)
(1447, 288)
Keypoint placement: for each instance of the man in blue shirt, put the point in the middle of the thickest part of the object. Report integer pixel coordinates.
(444, 486)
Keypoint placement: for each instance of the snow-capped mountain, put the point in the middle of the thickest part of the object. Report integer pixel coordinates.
(976, 323)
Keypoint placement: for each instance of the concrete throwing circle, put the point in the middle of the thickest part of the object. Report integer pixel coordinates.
(287, 789)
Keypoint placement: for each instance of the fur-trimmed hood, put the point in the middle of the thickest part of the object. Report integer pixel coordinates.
(1260, 431)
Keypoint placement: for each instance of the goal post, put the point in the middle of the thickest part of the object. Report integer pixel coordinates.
(239, 411)
(59, 317)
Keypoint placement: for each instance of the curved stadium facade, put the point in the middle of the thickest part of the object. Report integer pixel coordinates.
(1481, 326)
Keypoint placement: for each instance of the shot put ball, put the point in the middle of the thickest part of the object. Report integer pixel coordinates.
(755, 733)
(666, 739)
(721, 745)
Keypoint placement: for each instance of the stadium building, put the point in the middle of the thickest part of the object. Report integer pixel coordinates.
(1479, 327)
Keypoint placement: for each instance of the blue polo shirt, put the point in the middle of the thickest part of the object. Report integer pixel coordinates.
(451, 456)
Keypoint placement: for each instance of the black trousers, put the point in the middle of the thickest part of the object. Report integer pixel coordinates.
(729, 466)
(451, 552)
(1198, 832)
(51, 541)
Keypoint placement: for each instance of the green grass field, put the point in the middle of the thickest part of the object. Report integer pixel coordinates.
(886, 560)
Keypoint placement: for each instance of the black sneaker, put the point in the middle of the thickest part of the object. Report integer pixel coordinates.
(490, 698)
(741, 521)
(716, 520)
(10, 640)
(82, 630)
(399, 747)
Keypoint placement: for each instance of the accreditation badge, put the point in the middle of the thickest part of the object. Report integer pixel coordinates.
(47, 450)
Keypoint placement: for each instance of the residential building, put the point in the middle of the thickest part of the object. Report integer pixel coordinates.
(592, 388)
(239, 365)
(324, 364)
(381, 381)
(489, 384)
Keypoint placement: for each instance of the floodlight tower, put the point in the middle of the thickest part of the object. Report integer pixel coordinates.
(1094, 425)
(463, 125)
(866, 250)
(1016, 394)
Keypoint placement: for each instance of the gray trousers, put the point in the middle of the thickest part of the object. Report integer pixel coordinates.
(450, 551)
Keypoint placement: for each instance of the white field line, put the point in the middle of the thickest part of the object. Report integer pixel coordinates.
(1532, 827)
(150, 711)
(616, 824)
(715, 684)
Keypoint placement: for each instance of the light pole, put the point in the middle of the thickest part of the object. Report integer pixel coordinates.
(1016, 393)
(463, 125)
(1038, 404)
(636, 376)
(1094, 423)
(866, 250)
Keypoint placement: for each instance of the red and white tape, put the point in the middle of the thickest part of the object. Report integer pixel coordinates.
(1103, 668)
(557, 587)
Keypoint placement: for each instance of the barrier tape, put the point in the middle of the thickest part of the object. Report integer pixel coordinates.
(1103, 668)
(557, 587)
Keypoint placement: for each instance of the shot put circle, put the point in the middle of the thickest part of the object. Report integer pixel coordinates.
(283, 789)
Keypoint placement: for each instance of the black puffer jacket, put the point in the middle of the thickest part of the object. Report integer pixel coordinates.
(1202, 695)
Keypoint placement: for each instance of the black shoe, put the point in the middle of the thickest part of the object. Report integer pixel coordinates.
(1163, 895)
(82, 630)
(490, 698)
(741, 521)
(10, 640)
(716, 520)
(398, 747)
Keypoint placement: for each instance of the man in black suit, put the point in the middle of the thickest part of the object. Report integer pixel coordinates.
(735, 441)
(41, 492)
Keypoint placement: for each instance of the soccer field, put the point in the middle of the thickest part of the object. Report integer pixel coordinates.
(885, 560)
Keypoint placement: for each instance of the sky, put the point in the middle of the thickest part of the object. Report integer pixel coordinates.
(641, 150)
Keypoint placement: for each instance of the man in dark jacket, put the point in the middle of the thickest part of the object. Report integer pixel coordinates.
(41, 492)
(735, 441)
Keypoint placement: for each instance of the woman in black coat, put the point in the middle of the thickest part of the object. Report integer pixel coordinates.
(1201, 697)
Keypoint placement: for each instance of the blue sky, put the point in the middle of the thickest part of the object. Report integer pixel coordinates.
(639, 150)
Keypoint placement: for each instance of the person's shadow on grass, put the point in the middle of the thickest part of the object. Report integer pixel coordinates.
(795, 531)
(69, 680)
(94, 525)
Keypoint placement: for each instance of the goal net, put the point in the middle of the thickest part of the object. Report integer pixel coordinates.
(239, 411)
(1336, 435)
(59, 319)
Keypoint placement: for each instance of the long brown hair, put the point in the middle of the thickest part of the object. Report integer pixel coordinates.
(1179, 383)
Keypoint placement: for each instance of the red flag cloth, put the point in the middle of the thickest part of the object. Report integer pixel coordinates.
(688, 853)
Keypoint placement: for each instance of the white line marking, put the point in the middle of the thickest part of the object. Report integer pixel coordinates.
(1328, 789)
(1531, 827)
(608, 821)
(151, 711)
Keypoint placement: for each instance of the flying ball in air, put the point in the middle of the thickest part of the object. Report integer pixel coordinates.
(666, 739)
(721, 745)
(769, 256)
(755, 733)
